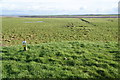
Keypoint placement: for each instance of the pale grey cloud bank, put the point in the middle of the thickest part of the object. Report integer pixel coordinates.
(58, 7)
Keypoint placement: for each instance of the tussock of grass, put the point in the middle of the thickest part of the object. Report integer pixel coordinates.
(61, 60)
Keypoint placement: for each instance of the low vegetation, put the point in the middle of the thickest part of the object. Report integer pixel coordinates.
(60, 48)
(62, 60)
(58, 29)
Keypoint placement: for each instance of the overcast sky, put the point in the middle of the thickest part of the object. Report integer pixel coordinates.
(58, 7)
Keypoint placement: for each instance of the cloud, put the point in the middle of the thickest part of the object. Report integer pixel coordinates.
(58, 6)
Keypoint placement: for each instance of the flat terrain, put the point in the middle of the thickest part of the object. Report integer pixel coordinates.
(60, 48)
(14, 30)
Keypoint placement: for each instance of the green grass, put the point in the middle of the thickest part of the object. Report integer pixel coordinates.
(62, 60)
(54, 30)
(60, 48)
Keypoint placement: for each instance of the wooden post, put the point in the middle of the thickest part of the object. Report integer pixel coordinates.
(24, 45)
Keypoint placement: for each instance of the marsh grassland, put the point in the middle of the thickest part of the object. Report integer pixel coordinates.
(60, 48)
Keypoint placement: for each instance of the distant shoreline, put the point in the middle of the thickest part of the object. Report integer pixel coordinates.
(68, 16)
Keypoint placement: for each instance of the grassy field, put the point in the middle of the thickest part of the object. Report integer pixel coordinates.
(60, 48)
(58, 29)
(62, 60)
